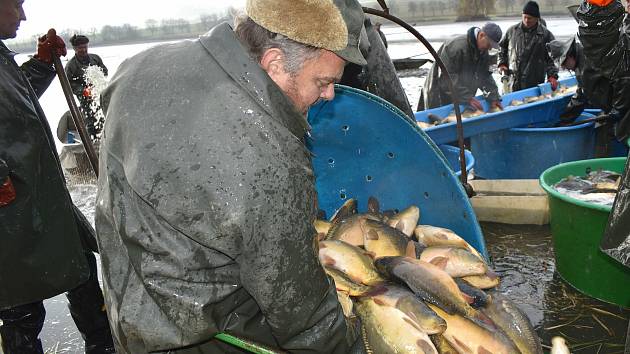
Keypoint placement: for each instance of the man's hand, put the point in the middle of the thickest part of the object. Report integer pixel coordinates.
(475, 104)
(7, 191)
(496, 104)
(87, 92)
(49, 44)
(554, 82)
(503, 69)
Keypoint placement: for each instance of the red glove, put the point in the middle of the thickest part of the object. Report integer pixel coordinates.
(7, 192)
(475, 104)
(49, 44)
(496, 104)
(87, 92)
(554, 83)
(503, 69)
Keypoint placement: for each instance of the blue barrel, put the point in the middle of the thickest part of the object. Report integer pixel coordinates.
(524, 153)
(451, 153)
(363, 146)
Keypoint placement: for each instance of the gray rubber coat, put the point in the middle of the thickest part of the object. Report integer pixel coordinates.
(205, 207)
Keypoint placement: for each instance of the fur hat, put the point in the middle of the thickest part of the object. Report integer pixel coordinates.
(78, 39)
(317, 23)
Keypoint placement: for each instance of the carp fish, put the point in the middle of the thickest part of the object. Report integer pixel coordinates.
(350, 260)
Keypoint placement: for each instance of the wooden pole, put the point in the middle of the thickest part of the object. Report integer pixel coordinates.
(77, 116)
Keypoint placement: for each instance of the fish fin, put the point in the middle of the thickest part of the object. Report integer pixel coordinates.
(389, 213)
(426, 347)
(410, 251)
(482, 350)
(372, 235)
(370, 254)
(347, 209)
(412, 323)
(373, 205)
(379, 301)
(400, 226)
(440, 262)
(461, 346)
(469, 299)
(328, 261)
(441, 235)
(321, 214)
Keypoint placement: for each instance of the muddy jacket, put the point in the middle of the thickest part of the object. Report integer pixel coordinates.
(605, 35)
(41, 253)
(469, 69)
(525, 53)
(75, 70)
(205, 207)
(616, 239)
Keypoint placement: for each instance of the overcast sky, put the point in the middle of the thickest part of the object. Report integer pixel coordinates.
(75, 14)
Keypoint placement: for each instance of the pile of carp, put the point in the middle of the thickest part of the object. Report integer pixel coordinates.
(597, 187)
(417, 288)
(435, 120)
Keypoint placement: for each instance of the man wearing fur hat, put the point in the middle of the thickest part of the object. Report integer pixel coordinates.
(524, 53)
(75, 70)
(207, 200)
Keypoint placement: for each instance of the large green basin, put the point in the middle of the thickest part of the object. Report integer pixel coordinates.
(577, 228)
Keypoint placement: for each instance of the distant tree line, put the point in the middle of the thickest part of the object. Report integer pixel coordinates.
(428, 10)
(165, 29)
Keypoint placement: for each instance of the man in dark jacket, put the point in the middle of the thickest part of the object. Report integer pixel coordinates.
(207, 198)
(524, 53)
(604, 31)
(75, 69)
(43, 237)
(468, 63)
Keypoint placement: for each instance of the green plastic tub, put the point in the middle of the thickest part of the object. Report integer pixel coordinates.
(577, 228)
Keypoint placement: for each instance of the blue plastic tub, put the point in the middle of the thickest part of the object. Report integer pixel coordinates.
(451, 153)
(511, 117)
(524, 153)
(363, 146)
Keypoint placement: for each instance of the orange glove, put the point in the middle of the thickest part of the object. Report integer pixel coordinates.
(48, 44)
(87, 92)
(475, 104)
(554, 82)
(600, 2)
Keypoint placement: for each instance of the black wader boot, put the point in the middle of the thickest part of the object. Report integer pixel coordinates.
(20, 328)
(88, 312)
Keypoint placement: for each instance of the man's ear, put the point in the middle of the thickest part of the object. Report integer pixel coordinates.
(272, 61)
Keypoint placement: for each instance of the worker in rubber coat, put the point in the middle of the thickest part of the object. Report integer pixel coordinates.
(616, 239)
(206, 197)
(75, 70)
(569, 55)
(45, 241)
(468, 63)
(523, 53)
(604, 31)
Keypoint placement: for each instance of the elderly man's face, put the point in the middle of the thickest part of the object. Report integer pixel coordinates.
(316, 80)
(11, 14)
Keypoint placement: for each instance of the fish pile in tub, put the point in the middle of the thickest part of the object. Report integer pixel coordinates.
(418, 288)
(435, 120)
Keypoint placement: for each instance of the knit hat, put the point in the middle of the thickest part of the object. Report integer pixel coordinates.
(531, 8)
(317, 23)
(78, 39)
